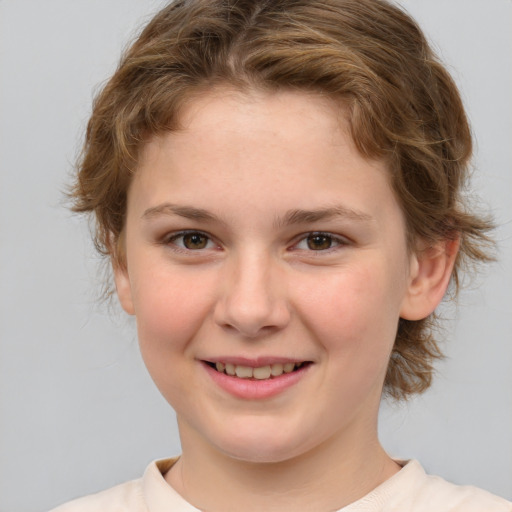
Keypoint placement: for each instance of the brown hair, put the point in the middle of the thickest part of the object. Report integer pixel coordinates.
(367, 54)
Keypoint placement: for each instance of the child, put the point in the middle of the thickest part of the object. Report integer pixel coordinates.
(278, 187)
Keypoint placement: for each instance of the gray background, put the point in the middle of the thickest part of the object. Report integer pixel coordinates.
(78, 411)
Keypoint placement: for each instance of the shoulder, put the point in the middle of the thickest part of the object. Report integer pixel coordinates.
(463, 497)
(416, 491)
(127, 497)
(140, 495)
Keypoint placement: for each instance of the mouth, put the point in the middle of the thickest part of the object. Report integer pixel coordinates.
(267, 372)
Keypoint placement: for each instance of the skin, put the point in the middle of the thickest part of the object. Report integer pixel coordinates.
(256, 286)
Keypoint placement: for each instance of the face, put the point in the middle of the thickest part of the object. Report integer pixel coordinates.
(260, 243)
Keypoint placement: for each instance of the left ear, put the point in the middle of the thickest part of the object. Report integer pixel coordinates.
(430, 271)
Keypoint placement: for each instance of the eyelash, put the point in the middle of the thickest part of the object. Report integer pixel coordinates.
(171, 240)
(339, 241)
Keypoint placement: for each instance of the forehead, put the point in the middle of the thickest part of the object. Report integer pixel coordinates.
(262, 105)
(290, 126)
(267, 149)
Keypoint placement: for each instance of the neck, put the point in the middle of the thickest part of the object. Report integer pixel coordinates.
(339, 472)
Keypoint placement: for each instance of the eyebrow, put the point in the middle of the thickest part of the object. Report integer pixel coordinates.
(291, 217)
(188, 212)
(322, 214)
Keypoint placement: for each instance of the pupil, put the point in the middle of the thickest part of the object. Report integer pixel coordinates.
(319, 242)
(195, 241)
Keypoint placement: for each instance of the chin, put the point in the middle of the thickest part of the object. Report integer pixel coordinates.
(263, 447)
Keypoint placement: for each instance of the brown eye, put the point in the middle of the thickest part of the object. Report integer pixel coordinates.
(319, 242)
(194, 241)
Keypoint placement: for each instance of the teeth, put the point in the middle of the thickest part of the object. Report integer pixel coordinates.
(276, 369)
(260, 373)
(289, 367)
(243, 372)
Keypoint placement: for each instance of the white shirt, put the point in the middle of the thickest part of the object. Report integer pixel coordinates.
(409, 490)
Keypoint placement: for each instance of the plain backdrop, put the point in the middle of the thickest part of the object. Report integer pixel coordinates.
(78, 412)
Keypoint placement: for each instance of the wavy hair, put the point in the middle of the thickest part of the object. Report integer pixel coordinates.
(368, 55)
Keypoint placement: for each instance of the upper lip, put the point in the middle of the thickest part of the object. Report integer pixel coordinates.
(257, 362)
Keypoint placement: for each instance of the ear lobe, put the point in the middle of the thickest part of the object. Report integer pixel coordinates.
(123, 288)
(431, 270)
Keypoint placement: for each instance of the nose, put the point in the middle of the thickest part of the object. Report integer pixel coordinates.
(253, 298)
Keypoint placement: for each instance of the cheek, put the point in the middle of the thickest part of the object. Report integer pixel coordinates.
(354, 318)
(170, 308)
(356, 309)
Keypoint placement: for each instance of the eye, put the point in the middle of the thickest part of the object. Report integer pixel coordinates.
(191, 241)
(320, 242)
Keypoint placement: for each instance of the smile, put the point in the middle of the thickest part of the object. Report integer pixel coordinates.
(260, 373)
(256, 380)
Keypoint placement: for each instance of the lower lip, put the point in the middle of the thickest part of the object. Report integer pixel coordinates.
(254, 389)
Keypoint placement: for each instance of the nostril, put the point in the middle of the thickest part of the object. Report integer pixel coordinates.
(250, 300)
